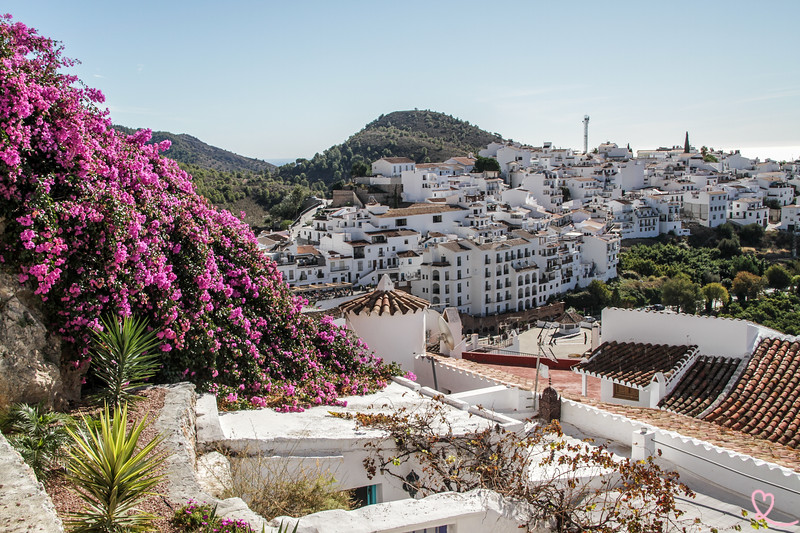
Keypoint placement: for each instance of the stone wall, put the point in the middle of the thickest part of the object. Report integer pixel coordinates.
(30, 356)
(24, 505)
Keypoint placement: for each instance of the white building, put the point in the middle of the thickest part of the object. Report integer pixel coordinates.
(392, 166)
(707, 208)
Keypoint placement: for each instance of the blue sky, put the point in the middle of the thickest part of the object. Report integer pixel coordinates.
(288, 79)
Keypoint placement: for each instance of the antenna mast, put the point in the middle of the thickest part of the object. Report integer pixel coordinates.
(586, 134)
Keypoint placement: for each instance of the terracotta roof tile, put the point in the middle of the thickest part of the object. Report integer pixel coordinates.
(634, 363)
(765, 402)
(701, 385)
(381, 303)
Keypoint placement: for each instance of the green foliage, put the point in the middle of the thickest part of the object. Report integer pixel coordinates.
(359, 168)
(121, 357)
(714, 292)
(729, 247)
(751, 234)
(747, 286)
(112, 472)
(681, 292)
(701, 264)
(777, 277)
(779, 311)
(422, 136)
(486, 164)
(37, 435)
(189, 150)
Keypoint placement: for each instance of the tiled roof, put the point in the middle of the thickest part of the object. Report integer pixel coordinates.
(396, 160)
(570, 317)
(634, 363)
(307, 250)
(419, 209)
(385, 303)
(765, 402)
(684, 425)
(701, 385)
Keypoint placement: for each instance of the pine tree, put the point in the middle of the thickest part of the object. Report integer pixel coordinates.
(686, 144)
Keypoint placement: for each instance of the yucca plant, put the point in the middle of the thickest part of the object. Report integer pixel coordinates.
(111, 473)
(39, 436)
(121, 356)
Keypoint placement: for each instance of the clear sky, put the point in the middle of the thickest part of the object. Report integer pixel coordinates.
(287, 79)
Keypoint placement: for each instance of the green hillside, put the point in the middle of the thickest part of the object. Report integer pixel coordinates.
(270, 195)
(192, 151)
(424, 136)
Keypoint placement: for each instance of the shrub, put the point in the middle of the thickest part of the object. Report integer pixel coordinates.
(272, 488)
(202, 518)
(37, 435)
(111, 472)
(122, 358)
(97, 221)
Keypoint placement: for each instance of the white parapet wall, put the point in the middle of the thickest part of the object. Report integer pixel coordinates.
(735, 471)
(713, 336)
(478, 510)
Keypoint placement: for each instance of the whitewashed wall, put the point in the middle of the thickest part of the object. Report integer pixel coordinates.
(397, 337)
(713, 336)
(474, 511)
(737, 472)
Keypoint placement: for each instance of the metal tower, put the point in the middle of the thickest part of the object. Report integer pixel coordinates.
(586, 134)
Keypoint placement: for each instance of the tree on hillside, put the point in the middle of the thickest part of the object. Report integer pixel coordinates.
(751, 234)
(729, 247)
(747, 286)
(601, 294)
(486, 164)
(359, 169)
(713, 293)
(681, 292)
(777, 277)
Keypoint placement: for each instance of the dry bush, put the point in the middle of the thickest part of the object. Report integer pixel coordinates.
(273, 487)
(568, 484)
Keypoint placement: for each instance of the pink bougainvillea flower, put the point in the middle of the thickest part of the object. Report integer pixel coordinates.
(97, 222)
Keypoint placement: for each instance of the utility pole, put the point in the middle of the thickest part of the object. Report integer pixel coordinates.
(586, 134)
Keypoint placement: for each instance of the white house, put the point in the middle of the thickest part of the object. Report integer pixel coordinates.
(392, 166)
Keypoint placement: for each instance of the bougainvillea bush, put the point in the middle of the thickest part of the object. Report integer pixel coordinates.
(96, 222)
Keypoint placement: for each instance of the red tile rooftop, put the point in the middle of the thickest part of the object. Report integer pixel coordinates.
(634, 363)
(701, 385)
(690, 427)
(765, 402)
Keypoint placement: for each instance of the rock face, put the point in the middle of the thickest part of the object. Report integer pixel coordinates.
(30, 357)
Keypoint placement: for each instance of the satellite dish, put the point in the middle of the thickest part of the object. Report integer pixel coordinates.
(447, 335)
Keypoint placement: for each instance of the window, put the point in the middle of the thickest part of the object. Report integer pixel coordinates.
(625, 393)
(401, 222)
(437, 218)
(363, 496)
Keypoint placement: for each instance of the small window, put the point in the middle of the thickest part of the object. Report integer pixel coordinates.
(625, 393)
(437, 218)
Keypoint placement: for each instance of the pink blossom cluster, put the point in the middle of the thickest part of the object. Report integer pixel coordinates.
(99, 222)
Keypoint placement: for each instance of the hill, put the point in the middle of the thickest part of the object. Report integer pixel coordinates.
(192, 151)
(424, 136)
(270, 195)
